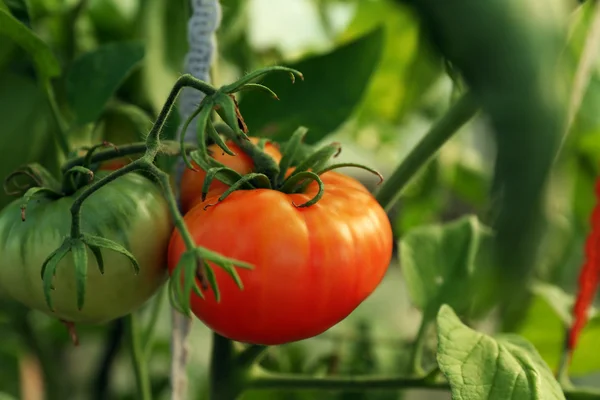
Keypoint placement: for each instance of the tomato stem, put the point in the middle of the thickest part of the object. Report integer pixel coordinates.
(458, 115)
(263, 380)
(61, 125)
(168, 147)
(140, 364)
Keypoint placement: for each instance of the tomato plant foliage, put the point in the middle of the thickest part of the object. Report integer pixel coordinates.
(481, 116)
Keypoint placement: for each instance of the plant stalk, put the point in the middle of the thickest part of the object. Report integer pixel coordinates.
(459, 114)
(138, 360)
(61, 125)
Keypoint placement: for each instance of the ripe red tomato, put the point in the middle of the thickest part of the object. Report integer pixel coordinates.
(313, 265)
(192, 181)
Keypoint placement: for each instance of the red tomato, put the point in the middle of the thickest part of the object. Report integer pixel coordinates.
(115, 164)
(312, 266)
(192, 181)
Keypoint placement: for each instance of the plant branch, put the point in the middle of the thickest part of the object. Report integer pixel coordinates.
(585, 69)
(415, 363)
(61, 125)
(224, 384)
(111, 349)
(137, 358)
(459, 114)
(262, 380)
(27, 334)
(250, 355)
(154, 314)
(168, 147)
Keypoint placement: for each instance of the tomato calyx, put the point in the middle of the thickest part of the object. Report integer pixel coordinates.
(293, 174)
(76, 244)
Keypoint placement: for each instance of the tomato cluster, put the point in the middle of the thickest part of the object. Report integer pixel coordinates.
(312, 266)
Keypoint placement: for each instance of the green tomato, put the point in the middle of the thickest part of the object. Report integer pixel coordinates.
(130, 211)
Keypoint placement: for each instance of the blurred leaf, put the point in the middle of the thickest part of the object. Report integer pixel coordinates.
(46, 64)
(334, 84)
(438, 264)
(5, 396)
(163, 29)
(470, 184)
(113, 19)
(545, 324)
(19, 10)
(521, 87)
(125, 123)
(480, 367)
(24, 114)
(95, 76)
(407, 68)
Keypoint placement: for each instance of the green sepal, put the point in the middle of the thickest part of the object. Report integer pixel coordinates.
(258, 86)
(87, 161)
(236, 86)
(32, 192)
(192, 261)
(289, 152)
(212, 281)
(318, 159)
(227, 109)
(78, 169)
(97, 241)
(49, 269)
(80, 260)
(40, 176)
(204, 108)
(353, 165)
(226, 175)
(98, 256)
(214, 135)
(261, 181)
(296, 179)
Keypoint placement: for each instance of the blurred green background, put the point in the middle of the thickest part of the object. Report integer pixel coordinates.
(374, 82)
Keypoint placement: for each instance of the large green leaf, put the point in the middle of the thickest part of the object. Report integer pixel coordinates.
(544, 326)
(46, 64)
(163, 29)
(521, 86)
(24, 135)
(95, 76)
(439, 263)
(407, 69)
(333, 86)
(481, 367)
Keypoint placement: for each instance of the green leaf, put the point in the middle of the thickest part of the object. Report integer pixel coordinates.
(46, 64)
(23, 109)
(439, 264)
(19, 10)
(164, 31)
(544, 326)
(333, 86)
(95, 76)
(478, 366)
(408, 67)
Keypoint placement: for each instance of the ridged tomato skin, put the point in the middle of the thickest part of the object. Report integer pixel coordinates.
(312, 266)
(192, 181)
(130, 211)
